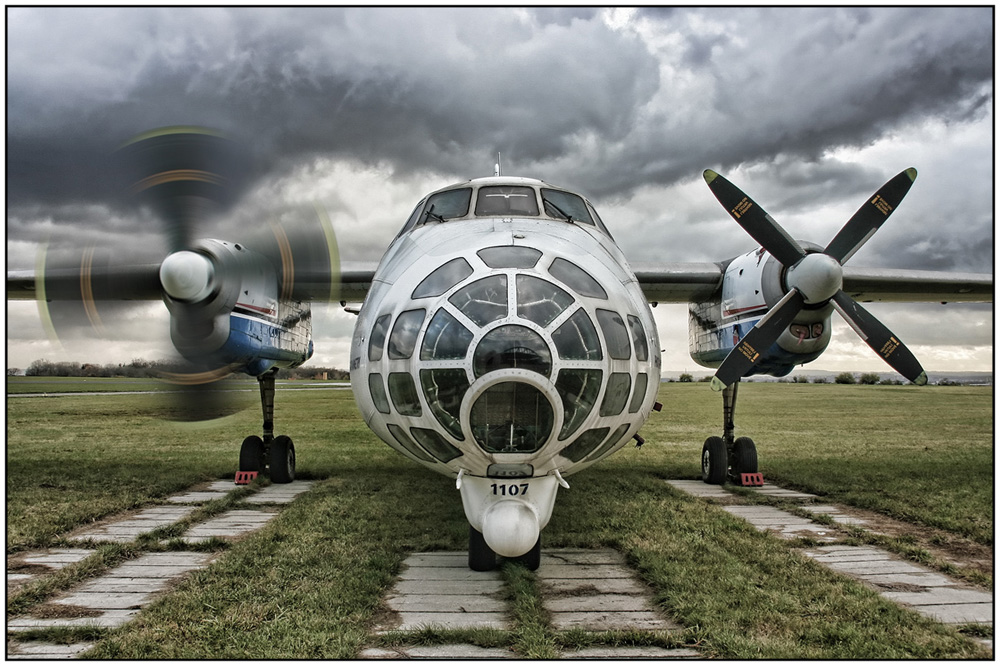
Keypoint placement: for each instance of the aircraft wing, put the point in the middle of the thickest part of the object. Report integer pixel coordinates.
(894, 285)
(142, 282)
(694, 282)
(678, 282)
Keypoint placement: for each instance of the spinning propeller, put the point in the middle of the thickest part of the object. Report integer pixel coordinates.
(187, 175)
(813, 279)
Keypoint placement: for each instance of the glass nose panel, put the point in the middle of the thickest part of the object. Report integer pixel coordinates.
(512, 347)
(511, 417)
(540, 301)
(445, 338)
(484, 301)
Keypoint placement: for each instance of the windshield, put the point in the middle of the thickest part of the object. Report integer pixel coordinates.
(506, 200)
(565, 205)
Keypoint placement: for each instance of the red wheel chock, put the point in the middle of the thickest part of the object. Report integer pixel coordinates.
(243, 478)
(751, 479)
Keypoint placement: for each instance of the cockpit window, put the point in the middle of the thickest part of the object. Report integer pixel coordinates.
(506, 200)
(566, 206)
(445, 205)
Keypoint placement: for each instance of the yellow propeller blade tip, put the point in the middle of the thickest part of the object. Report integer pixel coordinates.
(717, 384)
(912, 173)
(710, 176)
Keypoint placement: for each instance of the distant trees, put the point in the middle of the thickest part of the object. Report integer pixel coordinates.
(845, 378)
(686, 378)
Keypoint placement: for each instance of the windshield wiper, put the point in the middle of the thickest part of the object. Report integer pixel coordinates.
(569, 218)
(430, 213)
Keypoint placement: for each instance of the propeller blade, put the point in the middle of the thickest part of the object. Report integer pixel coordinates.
(755, 220)
(186, 174)
(870, 216)
(745, 355)
(880, 338)
(201, 393)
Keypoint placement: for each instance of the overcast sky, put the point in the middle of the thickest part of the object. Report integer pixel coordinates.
(809, 110)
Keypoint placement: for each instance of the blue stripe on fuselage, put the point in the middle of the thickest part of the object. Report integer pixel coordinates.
(259, 345)
(776, 361)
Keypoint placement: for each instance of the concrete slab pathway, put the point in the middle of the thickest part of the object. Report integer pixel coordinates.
(928, 592)
(280, 493)
(25, 567)
(128, 529)
(229, 525)
(574, 600)
(102, 602)
(439, 590)
(45, 651)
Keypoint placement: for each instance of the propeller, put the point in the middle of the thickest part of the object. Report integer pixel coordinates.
(813, 279)
(188, 175)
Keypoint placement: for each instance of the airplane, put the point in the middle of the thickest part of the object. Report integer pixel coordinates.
(503, 339)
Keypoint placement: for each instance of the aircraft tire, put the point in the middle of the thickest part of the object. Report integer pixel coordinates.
(533, 557)
(745, 452)
(481, 556)
(282, 460)
(714, 464)
(252, 454)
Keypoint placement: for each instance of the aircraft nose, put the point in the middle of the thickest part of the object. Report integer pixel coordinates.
(510, 528)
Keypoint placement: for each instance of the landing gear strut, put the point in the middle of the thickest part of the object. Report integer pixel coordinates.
(275, 455)
(727, 457)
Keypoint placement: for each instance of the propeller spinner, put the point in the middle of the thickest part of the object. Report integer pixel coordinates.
(813, 279)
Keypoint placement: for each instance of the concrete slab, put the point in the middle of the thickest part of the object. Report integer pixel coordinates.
(448, 587)
(631, 652)
(445, 603)
(418, 621)
(107, 620)
(228, 525)
(439, 590)
(106, 600)
(38, 650)
(699, 488)
(588, 571)
(875, 567)
(941, 595)
(446, 574)
(959, 613)
(570, 556)
(56, 558)
(574, 586)
(280, 493)
(597, 603)
(611, 621)
(596, 597)
(450, 651)
(127, 529)
(918, 579)
(196, 497)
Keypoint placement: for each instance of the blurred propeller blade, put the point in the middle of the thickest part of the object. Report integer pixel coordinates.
(746, 354)
(302, 245)
(864, 223)
(755, 220)
(202, 393)
(186, 174)
(880, 339)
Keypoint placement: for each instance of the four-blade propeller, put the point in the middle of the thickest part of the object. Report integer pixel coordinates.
(813, 278)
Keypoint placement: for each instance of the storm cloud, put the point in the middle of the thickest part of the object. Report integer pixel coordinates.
(809, 110)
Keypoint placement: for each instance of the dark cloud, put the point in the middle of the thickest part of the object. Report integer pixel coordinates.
(628, 106)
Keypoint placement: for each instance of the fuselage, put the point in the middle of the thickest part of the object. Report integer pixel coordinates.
(501, 341)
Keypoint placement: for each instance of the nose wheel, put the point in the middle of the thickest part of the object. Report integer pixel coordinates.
(728, 458)
(268, 454)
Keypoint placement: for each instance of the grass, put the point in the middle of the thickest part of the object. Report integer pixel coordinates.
(310, 584)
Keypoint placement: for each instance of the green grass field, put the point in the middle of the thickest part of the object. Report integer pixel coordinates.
(309, 584)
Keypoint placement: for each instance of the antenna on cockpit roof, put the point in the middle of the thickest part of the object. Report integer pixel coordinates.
(496, 167)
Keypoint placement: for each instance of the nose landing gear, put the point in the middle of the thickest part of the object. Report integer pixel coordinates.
(728, 458)
(270, 454)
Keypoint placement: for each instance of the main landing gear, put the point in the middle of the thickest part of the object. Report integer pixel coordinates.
(275, 455)
(725, 458)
